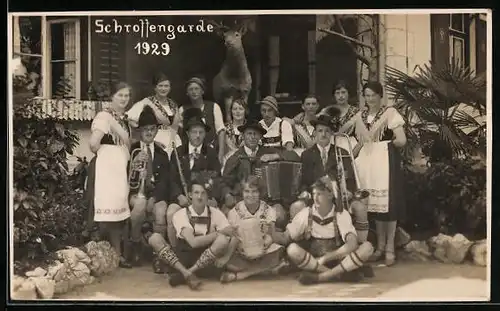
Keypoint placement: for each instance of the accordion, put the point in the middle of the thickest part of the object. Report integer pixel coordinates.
(281, 180)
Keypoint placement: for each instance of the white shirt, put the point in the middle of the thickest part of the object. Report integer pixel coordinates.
(249, 151)
(151, 147)
(217, 222)
(191, 150)
(274, 129)
(326, 149)
(298, 227)
(218, 119)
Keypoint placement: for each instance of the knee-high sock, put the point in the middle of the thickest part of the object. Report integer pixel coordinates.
(351, 262)
(307, 262)
(391, 235)
(206, 259)
(381, 229)
(167, 255)
(361, 230)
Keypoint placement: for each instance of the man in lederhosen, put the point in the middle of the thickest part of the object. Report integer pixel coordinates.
(211, 113)
(244, 163)
(279, 132)
(194, 156)
(322, 240)
(320, 160)
(156, 183)
(203, 235)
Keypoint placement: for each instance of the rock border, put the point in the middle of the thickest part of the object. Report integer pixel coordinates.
(75, 267)
(78, 267)
(447, 249)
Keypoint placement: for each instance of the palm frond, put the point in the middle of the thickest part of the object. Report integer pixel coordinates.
(436, 99)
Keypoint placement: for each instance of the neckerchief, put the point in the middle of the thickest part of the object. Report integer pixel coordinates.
(162, 110)
(364, 116)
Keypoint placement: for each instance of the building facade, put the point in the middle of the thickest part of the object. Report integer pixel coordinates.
(283, 55)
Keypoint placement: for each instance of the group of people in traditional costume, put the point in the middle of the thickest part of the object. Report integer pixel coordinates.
(199, 201)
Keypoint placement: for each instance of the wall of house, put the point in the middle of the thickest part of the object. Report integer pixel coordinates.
(407, 41)
(82, 129)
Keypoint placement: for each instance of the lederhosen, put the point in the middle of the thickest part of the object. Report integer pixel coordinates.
(211, 138)
(318, 247)
(188, 255)
(270, 141)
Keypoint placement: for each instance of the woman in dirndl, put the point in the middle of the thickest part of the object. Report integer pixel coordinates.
(166, 111)
(342, 113)
(110, 141)
(380, 133)
(253, 251)
(239, 113)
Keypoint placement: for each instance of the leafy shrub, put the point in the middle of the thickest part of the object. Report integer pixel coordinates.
(450, 197)
(47, 210)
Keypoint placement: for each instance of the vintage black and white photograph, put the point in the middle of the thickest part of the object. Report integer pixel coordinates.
(327, 155)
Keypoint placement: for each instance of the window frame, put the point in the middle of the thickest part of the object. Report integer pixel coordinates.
(47, 55)
(463, 36)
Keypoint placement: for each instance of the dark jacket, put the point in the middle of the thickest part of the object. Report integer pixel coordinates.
(160, 188)
(313, 169)
(208, 161)
(239, 166)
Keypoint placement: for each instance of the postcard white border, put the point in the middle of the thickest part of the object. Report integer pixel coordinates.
(489, 71)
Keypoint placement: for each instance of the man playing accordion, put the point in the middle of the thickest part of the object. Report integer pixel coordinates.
(322, 240)
(246, 161)
(203, 234)
(151, 161)
(193, 157)
(321, 160)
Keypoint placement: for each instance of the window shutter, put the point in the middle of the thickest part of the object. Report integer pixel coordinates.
(108, 61)
(440, 39)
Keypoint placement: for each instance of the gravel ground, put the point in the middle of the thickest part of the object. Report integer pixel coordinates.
(406, 281)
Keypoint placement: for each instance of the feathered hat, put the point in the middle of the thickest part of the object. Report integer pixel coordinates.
(147, 117)
(194, 116)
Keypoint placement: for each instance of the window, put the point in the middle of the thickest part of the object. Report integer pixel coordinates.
(50, 50)
(458, 38)
(63, 58)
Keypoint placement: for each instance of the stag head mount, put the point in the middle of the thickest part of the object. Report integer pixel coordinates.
(232, 33)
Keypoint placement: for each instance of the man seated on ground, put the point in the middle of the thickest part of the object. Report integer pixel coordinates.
(155, 175)
(320, 160)
(245, 162)
(322, 240)
(203, 234)
(254, 251)
(194, 157)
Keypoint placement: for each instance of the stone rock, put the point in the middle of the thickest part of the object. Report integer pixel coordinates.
(38, 272)
(479, 252)
(25, 290)
(439, 244)
(45, 288)
(457, 249)
(74, 255)
(104, 258)
(57, 271)
(75, 275)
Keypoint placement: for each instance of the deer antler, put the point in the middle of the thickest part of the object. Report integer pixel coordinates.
(219, 26)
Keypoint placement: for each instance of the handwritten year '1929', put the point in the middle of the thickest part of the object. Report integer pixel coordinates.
(144, 48)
